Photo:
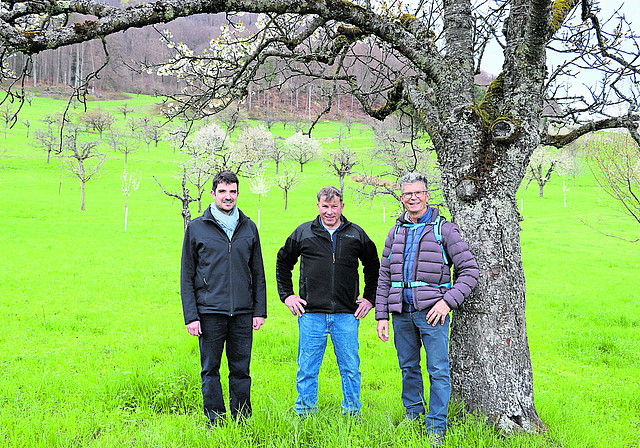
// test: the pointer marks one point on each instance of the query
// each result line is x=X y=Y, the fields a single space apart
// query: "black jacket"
x=329 y=282
x=222 y=276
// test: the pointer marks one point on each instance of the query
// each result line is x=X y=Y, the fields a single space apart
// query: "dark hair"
x=329 y=193
x=226 y=177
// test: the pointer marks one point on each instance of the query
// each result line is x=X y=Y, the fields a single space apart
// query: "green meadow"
x=94 y=353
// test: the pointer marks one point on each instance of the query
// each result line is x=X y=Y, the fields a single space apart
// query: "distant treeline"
x=268 y=99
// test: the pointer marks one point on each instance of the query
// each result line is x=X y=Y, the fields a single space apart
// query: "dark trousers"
x=237 y=333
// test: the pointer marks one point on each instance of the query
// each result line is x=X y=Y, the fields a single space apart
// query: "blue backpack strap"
x=437 y=231
x=408 y=226
x=395 y=232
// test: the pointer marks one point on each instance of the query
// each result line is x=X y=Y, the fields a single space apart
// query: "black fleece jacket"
x=329 y=279
x=219 y=275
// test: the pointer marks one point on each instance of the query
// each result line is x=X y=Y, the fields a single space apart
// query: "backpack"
x=437 y=232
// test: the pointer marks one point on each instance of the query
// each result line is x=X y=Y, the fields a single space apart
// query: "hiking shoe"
x=213 y=424
x=436 y=440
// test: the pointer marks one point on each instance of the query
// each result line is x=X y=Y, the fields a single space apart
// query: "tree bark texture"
x=490 y=360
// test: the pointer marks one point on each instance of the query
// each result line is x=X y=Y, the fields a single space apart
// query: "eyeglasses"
x=418 y=194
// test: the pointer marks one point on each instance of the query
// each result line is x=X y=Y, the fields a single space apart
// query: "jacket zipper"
x=232 y=308
x=333 y=272
x=414 y=296
x=415 y=267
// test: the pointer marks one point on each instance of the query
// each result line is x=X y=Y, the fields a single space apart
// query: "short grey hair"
x=412 y=178
x=329 y=193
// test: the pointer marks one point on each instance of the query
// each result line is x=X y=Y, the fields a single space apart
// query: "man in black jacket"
x=328 y=304
x=224 y=296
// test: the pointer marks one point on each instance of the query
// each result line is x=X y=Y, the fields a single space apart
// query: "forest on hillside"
x=272 y=96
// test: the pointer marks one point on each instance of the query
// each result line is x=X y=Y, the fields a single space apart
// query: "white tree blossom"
x=129 y=182
x=302 y=149
x=213 y=142
x=544 y=162
x=255 y=144
x=260 y=185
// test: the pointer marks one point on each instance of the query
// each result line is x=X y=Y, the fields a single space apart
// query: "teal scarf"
x=227 y=222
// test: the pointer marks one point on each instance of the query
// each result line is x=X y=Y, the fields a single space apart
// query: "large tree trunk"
x=484 y=150
x=489 y=346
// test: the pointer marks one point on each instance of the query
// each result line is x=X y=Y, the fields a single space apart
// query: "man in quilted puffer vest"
x=416 y=287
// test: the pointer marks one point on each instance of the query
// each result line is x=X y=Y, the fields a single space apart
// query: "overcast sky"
x=492 y=61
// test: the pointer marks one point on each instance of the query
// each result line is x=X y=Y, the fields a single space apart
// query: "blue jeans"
x=313 y=329
x=410 y=331
x=236 y=333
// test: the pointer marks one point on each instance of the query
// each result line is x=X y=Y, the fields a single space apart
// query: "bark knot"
x=466 y=190
x=86 y=28
x=503 y=130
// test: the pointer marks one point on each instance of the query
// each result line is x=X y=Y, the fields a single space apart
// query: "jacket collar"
x=316 y=224
x=206 y=215
x=404 y=217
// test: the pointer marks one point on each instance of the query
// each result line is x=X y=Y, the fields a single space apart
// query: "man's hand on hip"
x=364 y=306
x=438 y=312
x=295 y=304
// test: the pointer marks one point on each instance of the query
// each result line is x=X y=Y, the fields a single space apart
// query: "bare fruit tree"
x=82 y=159
x=124 y=142
x=576 y=154
x=198 y=168
x=394 y=154
x=184 y=197
x=614 y=160
x=124 y=110
x=49 y=141
x=129 y=182
x=279 y=153
x=286 y=181
x=8 y=116
x=341 y=162
x=152 y=133
x=98 y=120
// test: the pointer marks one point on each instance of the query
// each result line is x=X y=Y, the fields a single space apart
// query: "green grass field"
x=94 y=352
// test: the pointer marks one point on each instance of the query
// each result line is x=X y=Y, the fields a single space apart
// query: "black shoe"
x=213 y=424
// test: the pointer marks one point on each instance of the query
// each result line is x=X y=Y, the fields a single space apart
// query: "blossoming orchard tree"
x=419 y=57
